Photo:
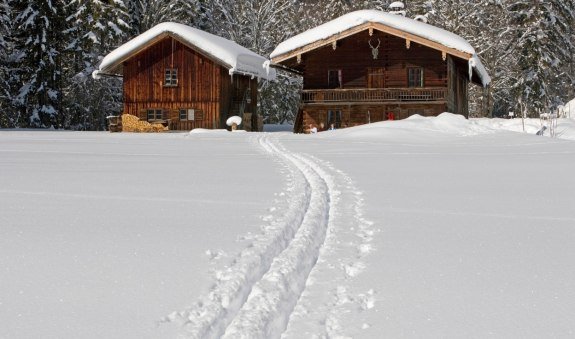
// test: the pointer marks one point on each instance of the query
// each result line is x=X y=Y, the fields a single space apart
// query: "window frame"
x=185 y=112
x=171 y=77
x=334 y=116
x=420 y=82
x=339 y=78
x=153 y=112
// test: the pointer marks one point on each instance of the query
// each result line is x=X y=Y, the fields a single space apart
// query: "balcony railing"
x=374 y=95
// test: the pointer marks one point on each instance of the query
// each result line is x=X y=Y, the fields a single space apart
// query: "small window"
x=334 y=117
x=155 y=114
x=334 y=78
x=171 y=77
x=415 y=77
x=188 y=114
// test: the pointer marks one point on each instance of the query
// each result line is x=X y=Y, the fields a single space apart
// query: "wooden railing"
x=374 y=95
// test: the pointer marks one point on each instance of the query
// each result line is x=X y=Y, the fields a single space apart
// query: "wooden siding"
x=458 y=96
x=353 y=56
x=354 y=115
x=233 y=92
x=203 y=85
x=372 y=88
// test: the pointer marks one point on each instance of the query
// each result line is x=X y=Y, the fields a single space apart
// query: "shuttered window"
x=188 y=114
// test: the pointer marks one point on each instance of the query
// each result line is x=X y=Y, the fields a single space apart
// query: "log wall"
x=355 y=115
x=203 y=85
x=353 y=56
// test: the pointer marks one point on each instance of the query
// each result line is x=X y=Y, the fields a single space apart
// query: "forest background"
x=49 y=49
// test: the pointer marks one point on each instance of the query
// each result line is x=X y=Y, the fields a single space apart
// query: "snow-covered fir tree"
x=145 y=14
x=39 y=43
x=6 y=118
x=97 y=27
x=541 y=46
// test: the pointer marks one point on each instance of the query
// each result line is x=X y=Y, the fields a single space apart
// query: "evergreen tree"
x=39 y=43
x=541 y=45
x=97 y=27
x=145 y=14
x=6 y=118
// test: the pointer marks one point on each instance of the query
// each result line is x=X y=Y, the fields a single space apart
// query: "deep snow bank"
x=446 y=126
x=416 y=127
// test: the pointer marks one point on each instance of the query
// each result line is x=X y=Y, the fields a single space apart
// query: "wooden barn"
x=369 y=66
x=186 y=78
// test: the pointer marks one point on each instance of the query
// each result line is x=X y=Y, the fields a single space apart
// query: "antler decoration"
x=374 y=50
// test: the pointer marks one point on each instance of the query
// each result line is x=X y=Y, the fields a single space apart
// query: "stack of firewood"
x=131 y=123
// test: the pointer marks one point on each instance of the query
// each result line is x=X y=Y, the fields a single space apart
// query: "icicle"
x=471 y=64
x=267 y=67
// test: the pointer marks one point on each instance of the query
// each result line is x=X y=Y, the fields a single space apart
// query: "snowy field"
x=427 y=227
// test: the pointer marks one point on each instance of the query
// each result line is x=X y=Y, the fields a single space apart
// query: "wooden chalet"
x=186 y=78
x=370 y=66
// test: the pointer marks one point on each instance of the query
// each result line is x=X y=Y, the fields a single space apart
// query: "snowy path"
x=257 y=295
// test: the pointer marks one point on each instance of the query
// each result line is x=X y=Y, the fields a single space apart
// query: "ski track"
x=259 y=293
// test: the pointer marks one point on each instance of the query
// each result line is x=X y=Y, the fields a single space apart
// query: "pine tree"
x=6 y=118
x=541 y=37
x=97 y=27
x=145 y=14
x=39 y=43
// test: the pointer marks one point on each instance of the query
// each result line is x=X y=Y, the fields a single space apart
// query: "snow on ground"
x=102 y=235
x=568 y=110
x=426 y=227
x=565 y=127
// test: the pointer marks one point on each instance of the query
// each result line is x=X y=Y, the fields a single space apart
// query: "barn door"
x=376 y=77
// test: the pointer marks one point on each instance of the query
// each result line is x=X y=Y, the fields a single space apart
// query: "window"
x=171 y=77
x=415 y=77
x=376 y=77
x=155 y=114
x=334 y=117
x=188 y=114
x=334 y=78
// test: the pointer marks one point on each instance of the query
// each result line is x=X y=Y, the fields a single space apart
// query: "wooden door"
x=376 y=77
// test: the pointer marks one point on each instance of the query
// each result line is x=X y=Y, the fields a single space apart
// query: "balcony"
x=374 y=95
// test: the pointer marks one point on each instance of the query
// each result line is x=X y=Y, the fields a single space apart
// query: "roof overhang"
x=367 y=26
x=116 y=68
x=226 y=53
x=478 y=69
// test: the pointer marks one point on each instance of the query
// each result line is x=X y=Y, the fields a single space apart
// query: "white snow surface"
x=424 y=227
x=234 y=120
x=407 y=25
x=568 y=110
x=565 y=127
x=236 y=58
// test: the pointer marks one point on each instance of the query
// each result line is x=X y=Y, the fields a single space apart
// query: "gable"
x=237 y=59
x=370 y=20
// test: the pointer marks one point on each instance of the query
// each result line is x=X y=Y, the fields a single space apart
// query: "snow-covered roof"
x=407 y=25
x=238 y=59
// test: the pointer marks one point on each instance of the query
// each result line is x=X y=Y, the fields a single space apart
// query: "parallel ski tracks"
x=255 y=297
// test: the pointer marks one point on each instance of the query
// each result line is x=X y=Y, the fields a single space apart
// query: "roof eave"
x=116 y=69
x=366 y=26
